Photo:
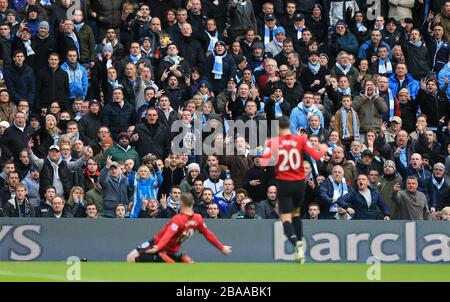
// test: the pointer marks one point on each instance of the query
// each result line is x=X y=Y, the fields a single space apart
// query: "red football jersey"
x=180 y=228
x=288 y=152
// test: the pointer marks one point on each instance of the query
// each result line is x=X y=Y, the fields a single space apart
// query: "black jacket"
x=434 y=106
x=43 y=47
x=89 y=126
x=50 y=86
x=42 y=142
x=12 y=209
x=293 y=95
x=14 y=140
x=307 y=78
x=46 y=177
x=170 y=178
x=152 y=140
x=118 y=119
x=21 y=83
x=192 y=51
x=265 y=175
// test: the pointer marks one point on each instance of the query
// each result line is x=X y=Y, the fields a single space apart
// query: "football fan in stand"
x=286 y=153
x=165 y=245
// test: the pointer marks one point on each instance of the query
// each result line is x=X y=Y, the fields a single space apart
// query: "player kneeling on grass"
x=165 y=245
x=287 y=152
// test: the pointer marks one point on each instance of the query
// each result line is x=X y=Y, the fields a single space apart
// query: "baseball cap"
x=396 y=119
x=220 y=43
x=115 y=164
x=27 y=29
x=258 y=45
x=33 y=168
x=341 y=22
x=203 y=83
x=269 y=17
x=299 y=16
x=54 y=147
x=367 y=152
x=94 y=101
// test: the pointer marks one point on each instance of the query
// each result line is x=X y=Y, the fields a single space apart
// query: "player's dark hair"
x=284 y=122
x=187 y=199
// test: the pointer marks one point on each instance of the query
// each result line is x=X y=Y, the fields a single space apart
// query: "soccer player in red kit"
x=165 y=245
x=286 y=152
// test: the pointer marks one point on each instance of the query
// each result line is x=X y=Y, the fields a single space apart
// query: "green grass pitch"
x=219 y=272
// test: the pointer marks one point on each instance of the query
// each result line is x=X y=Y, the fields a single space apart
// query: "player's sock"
x=297 y=223
x=145 y=258
x=289 y=231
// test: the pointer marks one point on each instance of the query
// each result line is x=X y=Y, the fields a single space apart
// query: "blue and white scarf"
x=28 y=48
x=391 y=102
x=308 y=111
x=267 y=34
x=173 y=204
x=114 y=84
x=384 y=66
x=360 y=27
x=278 y=111
x=212 y=40
x=403 y=157
x=75 y=41
x=78 y=26
x=338 y=191
x=314 y=67
x=416 y=44
x=347 y=91
x=134 y=58
x=315 y=131
x=436 y=183
x=346 y=131
x=299 y=32
x=218 y=65
x=342 y=69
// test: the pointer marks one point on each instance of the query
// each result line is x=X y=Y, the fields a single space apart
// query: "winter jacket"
x=87 y=44
x=241 y=18
x=325 y=199
x=119 y=154
x=266 y=210
x=12 y=209
x=357 y=202
x=43 y=47
x=401 y=9
x=409 y=83
x=270 y=109
x=223 y=203
x=299 y=118
x=387 y=183
x=352 y=75
x=95 y=196
x=109 y=12
x=367 y=50
x=264 y=175
x=78 y=81
x=444 y=73
x=229 y=71
x=434 y=106
x=14 y=140
x=113 y=191
x=307 y=78
x=21 y=83
x=347 y=42
x=89 y=126
x=438 y=55
x=52 y=85
x=416 y=59
x=32 y=190
x=117 y=118
x=152 y=140
x=192 y=52
x=370 y=112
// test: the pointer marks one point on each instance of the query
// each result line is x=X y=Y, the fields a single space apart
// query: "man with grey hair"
x=441 y=187
x=411 y=203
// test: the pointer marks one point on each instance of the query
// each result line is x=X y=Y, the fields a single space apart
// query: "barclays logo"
x=19 y=238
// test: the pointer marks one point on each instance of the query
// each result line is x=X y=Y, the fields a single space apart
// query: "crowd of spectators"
x=95 y=94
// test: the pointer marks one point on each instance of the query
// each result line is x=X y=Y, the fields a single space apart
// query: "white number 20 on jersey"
x=290 y=160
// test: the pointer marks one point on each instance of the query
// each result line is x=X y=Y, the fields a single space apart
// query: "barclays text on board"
x=393 y=242
x=326 y=241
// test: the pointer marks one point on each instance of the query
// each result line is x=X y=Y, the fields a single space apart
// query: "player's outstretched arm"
x=226 y=250
x=315 y=154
